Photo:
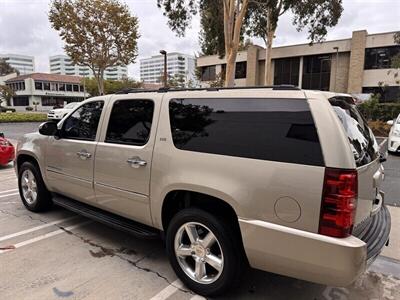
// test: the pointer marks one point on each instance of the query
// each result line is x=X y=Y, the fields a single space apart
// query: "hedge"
x=22 y=117
x=372 y=110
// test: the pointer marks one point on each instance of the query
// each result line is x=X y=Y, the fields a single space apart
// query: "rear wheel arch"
x=178 y=200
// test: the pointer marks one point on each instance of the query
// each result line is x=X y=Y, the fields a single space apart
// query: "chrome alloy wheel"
x=29 y=186
x=198 y=252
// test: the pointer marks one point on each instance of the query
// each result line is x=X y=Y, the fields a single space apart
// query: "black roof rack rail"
x=283 y=87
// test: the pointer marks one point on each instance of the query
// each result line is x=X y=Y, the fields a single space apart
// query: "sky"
x=25 y=29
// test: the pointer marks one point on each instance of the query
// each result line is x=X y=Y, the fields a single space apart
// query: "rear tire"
x=33 y=192
x=207 y=264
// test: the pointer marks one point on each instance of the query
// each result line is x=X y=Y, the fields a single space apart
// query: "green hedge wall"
x=379 y=111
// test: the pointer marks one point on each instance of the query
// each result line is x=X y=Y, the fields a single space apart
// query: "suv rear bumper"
x=374 y=231
x=311 y=256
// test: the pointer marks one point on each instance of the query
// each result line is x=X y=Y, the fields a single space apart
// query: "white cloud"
x=25 y=29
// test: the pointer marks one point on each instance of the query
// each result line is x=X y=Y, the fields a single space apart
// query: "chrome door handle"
x=83 y=154
x=136 y=162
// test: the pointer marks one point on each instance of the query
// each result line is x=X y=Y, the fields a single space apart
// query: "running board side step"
x=107 y=218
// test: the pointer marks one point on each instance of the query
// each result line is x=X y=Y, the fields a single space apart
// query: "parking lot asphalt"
x=60 y=255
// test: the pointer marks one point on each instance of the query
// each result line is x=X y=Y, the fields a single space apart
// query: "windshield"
x=71 y=105
x=362 y=140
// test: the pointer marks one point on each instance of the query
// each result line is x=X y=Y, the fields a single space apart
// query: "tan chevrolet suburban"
x=281 y=179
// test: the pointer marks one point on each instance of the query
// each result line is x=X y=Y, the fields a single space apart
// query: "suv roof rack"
x=283 y=87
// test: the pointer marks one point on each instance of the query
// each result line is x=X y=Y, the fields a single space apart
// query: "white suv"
x=59 y=113
x=281 y=179
x=394 y=135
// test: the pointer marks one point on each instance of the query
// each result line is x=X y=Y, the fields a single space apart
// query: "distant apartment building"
x=360 y=64
x=178 y=64
x=24 y=64
x=47 y=90
x=62 y=65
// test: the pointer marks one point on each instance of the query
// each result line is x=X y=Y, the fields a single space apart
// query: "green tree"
x=211 y=36
x=315 y=15
x=97 y=33
x=6 y=94
x=180 y=12
x=110 y=86
x=6 y=69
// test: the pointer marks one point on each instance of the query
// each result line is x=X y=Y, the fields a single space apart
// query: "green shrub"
x=22 y=117
x=373 y=110
x=29 y=108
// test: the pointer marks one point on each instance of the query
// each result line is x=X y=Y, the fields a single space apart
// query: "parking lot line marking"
x=382 y=143
x=7 y=191
x=168 y=291
x=12 y=235
x=45 y=236
x=197 y=297
x=7 y=195
x=10 y=202
x=7 y=174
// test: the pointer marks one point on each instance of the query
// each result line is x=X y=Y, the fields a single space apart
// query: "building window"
x=76 y=88
x=286 y=71
x=69 y=87
x=380 y=58
x=21 y=101
x=53 y=86
x=387 y=93
x=46 y=86
x=240 y=70
x=61 y=87
x=38 y=85
x=316 y=72
x=208 y=73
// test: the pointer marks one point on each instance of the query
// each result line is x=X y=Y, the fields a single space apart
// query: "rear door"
x=366 y=155
x=123 y=157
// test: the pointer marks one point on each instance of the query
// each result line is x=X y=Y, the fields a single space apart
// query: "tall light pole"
x=163 y=52
x=337 y=64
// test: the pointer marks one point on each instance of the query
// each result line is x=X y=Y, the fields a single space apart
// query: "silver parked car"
x=394 y=135
x=281 y=179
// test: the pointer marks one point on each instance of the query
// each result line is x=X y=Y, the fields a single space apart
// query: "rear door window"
x=267 y=129
x=361 y=138
x=130 y=122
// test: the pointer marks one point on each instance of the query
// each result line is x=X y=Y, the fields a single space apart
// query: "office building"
x=360 y=64
x=62 y=65
x=178 y=64
x=47 y=90
x=24 y=64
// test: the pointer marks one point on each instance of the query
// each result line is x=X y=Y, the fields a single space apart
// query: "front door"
x=70 y=157
x=123 y=159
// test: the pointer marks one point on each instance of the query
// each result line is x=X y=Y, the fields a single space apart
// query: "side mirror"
x=390 y=122
x=48 y=128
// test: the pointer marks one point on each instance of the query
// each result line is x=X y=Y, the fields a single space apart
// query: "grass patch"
x=22 y=117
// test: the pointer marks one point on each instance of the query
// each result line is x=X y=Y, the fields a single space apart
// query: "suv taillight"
x=339 y=202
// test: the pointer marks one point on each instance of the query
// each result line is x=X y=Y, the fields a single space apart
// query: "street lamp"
x=337 y=64
x=163 y=52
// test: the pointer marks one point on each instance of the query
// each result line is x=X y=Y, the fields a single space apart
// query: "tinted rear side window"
x=130 y=122
x=362 y=140
x=268 y=129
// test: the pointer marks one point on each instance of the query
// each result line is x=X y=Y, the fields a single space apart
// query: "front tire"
x=33 y=192
x=204 y=252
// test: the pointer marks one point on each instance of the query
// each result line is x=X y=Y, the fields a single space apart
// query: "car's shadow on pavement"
x=150 y=256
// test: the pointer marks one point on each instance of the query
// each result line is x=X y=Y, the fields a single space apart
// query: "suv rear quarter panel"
x=281 y=193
